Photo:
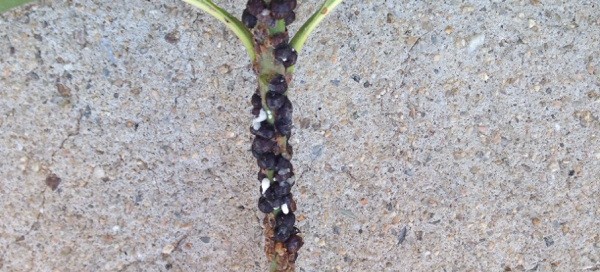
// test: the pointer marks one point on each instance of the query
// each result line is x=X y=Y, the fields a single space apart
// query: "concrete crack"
x=70 y=134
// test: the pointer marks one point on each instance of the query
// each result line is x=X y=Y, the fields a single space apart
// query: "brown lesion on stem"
x=279 y=258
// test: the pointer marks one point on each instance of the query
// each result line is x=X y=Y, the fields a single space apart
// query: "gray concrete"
x=469 y=126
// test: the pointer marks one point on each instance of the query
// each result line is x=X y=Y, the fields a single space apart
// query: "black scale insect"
x=278 y=84
x=283 y=120
x=286 y=54
x=275 y=193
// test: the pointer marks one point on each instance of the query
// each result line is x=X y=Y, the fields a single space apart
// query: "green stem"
x=310 y=25
x=8 y=4
x=273 y=266
x=231 y=22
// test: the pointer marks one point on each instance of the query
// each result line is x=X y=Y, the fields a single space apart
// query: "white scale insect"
x=262 y=115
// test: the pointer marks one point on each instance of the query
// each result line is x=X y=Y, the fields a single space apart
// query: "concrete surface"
x=470 y=128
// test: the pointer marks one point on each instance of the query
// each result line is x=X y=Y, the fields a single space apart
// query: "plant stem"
x=310 y=25
x=8 y=4
x=231 y=22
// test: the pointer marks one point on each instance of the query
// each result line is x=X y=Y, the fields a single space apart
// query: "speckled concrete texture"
x=429 y=136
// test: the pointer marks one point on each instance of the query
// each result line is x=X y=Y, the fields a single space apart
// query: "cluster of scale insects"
x=275 y=187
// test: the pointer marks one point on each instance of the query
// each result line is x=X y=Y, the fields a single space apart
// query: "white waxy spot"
x=265 y=12
x=265 y=185
x=262 y=115
x=284 y=209
x=283 y=59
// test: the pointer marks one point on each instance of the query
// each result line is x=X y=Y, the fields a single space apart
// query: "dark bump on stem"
x=248 y=19
x=278 y=84
x=282 y=233
x=280 y=38
x=280 y=8
x=290 y=18
x=255 y=7
x=261 y=175
x=262 y=145
x=275 y=100
x=289 y=200
x=264 y=206
x=256 y=101
x=266 y=161
x=285 y=54
x=286 y=220
x=256 y=104
x=266 y=131
x=294 y=243
x=283 y=122
x=281 y=189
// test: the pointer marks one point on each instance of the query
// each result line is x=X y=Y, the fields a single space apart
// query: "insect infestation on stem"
x=263 y=31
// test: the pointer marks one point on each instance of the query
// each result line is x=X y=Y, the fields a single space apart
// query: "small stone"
x=412 y=40
x=172 y=37
x=449 y=30
x=205 y=239
x=53 y=181
x=475 y=42
x=224 y=69
x=63 y=90
x=230 y=135
x=459 y=154
x=484 y=76
x=316 y=151
x=553 y=166
x=402 y=235
x=168 y=249
x=99 y=172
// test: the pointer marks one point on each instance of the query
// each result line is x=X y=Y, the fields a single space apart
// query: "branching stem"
x=231 y=22
x=310 y=25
